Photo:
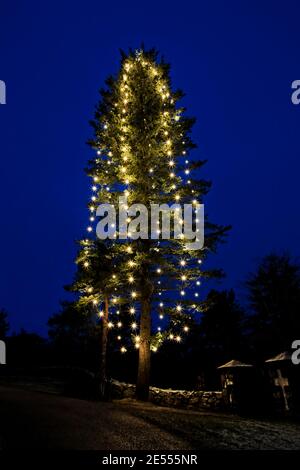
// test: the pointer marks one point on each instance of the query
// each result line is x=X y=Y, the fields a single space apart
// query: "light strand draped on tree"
x=142 y=141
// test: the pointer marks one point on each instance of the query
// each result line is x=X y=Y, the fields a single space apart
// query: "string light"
x=119 y=324
x=132 y=310
x=198 y=283
x=101 y=314
x=178 y=308
x=154 y=348
x=182 y=262
x=171 y=336
x=178 y=339
x=110 y=324
x=134 y=326
x=183 y=278
x=161 y=304
x=123 y=350
x=182 y=292
x=185 y=328
x=131 y=279
x=133 y=295
x=161 y=317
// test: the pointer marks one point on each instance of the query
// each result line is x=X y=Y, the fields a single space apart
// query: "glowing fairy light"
x=133 y=294
x=161 y=317
x=158 y=270
x=186 y=328
x=182 y=292
x=171 y=336
x=182 y=262
x=178 y=308
x=110 y=325
x=119 y=337
x=131 y=279
x=158 y=328
x=92 y=208
x=101 y=314
x=199 y=261
x=119 y=324
x=123 y=350
x=132 y=310
x=196 y=294
x=133 y=326
x=154 y=349
x=171 y=163
x=178 y=339
x=86 y=264
x=183 y=278
x=198 y=283
x=129 y=249
x=161 y=304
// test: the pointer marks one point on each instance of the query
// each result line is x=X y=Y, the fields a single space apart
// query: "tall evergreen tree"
x=142 y=139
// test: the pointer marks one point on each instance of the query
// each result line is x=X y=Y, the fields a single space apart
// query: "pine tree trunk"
x=102 y=375
x=143 y=379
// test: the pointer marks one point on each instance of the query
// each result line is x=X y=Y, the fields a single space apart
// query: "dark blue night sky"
x=234 y=60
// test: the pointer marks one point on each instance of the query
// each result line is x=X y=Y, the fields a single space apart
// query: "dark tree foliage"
x=274 y=300
x=4 y=324
x=74 y=334
x=221 y=326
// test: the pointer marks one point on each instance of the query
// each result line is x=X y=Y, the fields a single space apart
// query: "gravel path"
x=33 y=420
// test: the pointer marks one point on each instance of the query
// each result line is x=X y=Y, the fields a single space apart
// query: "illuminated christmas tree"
x=142 y=141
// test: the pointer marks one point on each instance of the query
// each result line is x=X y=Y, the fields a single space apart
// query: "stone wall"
x=198 y=400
